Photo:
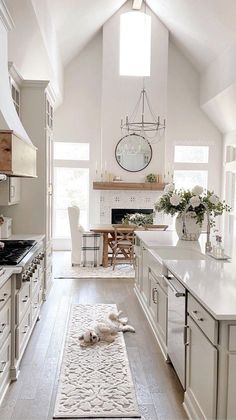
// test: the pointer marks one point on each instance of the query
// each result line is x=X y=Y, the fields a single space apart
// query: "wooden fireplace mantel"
x=145 y=186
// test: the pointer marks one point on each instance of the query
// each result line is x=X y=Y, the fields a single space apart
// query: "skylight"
x=135 y=44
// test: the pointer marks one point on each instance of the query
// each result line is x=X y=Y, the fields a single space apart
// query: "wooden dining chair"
x=123 y=244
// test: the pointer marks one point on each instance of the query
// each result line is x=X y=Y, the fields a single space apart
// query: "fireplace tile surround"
x=125 y=199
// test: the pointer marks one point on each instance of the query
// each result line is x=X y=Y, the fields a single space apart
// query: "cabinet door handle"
x=194 y=316
x=25 y=299
x=176 y=292
x=13 y=191
x=154 y=295
x=3 y=328
x=185 y=335
x=2 y=368
x=25 y=330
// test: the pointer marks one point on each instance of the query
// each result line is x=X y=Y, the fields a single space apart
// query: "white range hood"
x=17 y=153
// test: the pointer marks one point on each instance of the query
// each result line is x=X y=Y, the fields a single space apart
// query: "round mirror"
x=133 y=152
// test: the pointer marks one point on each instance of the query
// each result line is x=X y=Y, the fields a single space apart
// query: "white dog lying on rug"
x=105 y=330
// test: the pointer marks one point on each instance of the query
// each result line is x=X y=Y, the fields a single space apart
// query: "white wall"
x=96 y=98
x=27 y=47
x=186 y=122
x=120 y=93
x=78 y=119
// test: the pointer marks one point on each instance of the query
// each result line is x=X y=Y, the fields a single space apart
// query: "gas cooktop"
x=14 y=251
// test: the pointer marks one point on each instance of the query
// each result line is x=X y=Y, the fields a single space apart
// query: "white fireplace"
x=113 y=199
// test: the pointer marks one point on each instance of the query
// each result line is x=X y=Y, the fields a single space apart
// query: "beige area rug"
x=120 y=271
x=94 y=382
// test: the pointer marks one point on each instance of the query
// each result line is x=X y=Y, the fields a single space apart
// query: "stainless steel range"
x=27 y=254
x=13 y=251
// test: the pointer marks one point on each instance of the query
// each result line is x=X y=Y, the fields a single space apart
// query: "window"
x=135 y=44
x=191 y=166
x=71 y=186
x=188 y=179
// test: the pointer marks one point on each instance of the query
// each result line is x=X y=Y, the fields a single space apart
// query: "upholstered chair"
x=86 y=246
x=76 y=231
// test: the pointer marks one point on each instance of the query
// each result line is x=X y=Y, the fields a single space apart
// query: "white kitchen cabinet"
x=201 y=374
x=34 y=212
x=5 y=336
x=151 y=290
x=144 y=276
x=10 y=191
x=153 y=294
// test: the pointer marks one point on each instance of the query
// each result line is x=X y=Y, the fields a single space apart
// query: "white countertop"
x=158 y=238
x=34 y=237
x=212 y=282
x=6 y=275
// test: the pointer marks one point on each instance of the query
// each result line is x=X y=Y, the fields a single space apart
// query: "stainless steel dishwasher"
x=176 y=326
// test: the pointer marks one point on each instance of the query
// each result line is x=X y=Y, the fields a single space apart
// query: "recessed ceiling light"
x=137 y=4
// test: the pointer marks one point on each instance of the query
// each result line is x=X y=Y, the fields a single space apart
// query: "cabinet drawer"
x=23 y=301
x=203 y=319
x=5 y=362
x=23 y=332
x=155 y=266
x=160 y=280
x=35 y=280
x=5 y=322
x=35 y=304
x=5 y=292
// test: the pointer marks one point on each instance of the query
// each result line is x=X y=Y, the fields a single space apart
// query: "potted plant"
x=190 y=207
x=138 y=219
x=151 y=178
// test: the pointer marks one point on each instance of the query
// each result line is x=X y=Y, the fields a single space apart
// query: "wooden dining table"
x=108 y=233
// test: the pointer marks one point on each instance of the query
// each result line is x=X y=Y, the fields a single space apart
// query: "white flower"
x=194 y=201
x=175 y=200
x=214 y=199
x=197 y=190
x=169 y=188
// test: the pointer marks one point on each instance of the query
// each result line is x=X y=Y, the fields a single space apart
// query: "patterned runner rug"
x=95 y=381
x=121 y=271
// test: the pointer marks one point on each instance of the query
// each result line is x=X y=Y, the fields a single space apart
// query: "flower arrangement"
x=197 y=201
x=138 y=219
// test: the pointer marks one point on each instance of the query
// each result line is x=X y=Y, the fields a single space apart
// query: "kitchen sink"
x=175 y=253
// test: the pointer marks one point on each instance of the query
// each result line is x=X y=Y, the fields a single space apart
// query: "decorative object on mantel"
x=151 y=178
x=94 y=382
x=138 y=219
x=117 y=178
x=122 y=185
x=191 y=207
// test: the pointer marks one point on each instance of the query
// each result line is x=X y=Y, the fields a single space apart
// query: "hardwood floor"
x=32 y=397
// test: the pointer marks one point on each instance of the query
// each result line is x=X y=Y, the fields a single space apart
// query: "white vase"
x=187 y=227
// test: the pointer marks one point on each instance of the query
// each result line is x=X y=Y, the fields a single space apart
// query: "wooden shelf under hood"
x=17 y=157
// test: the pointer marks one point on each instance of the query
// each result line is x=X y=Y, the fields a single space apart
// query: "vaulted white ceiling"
x=77 y=21
x=202 y=28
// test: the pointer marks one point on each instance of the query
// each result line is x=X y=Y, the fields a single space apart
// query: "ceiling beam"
x=137 y=4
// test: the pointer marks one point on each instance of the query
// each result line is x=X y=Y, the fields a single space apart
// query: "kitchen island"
x=190 y=302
